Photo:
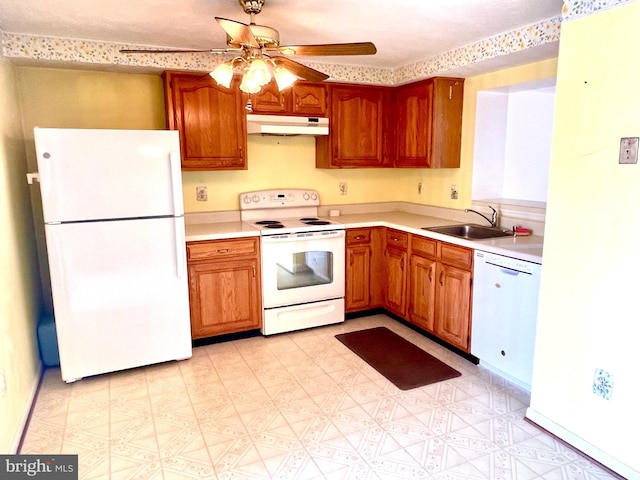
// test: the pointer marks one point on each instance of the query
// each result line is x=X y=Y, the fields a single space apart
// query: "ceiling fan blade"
x=210 y=50
x=239 y=33
x=300 y=70
x=328 y=49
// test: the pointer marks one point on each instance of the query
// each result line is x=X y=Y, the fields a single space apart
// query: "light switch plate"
x=628 y=150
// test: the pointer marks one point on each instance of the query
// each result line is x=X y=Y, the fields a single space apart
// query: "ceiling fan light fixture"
x=223 y=74
x=258 y=72
x=284 y=78
x=248 y=85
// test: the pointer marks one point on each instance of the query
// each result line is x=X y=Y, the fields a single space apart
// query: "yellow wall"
x=588 y=314
x=19 y=294
x=86 y=99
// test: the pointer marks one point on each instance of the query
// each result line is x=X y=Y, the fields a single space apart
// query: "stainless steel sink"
x=470 y=231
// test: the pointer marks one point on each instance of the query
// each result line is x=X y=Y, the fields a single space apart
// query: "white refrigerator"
x=114 y=227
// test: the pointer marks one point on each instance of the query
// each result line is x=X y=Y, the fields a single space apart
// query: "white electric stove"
x=302 y=259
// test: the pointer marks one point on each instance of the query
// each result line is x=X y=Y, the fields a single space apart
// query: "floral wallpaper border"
x=103 y=54
x=580 y=8
x=97 y=54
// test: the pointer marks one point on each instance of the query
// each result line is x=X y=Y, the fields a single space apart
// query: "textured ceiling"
x=404 y=31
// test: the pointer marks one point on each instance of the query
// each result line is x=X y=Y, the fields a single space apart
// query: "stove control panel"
x=279 y=198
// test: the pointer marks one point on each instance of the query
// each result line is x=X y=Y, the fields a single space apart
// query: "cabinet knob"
x=223 y=250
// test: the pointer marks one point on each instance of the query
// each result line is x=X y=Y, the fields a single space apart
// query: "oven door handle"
x=294 y=237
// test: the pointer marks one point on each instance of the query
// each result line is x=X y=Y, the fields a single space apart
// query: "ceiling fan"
x=261 y=56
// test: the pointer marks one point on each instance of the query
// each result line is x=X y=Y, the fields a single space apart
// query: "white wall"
x=589 y=295
x=513 y=142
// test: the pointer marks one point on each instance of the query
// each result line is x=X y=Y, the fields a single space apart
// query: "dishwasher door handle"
x=508 y=271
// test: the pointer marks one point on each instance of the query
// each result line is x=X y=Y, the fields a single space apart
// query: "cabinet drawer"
x=455 y=255
x=397 y=239
x=358 y=236
x=423 y=246
x=222 y=248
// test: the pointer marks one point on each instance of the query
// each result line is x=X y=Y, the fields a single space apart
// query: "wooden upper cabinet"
x=302 y=98
x=429 y=123
x=210 y=119
x=356 y=134
x=269 y=100
x=309 y=99
x=413 y=125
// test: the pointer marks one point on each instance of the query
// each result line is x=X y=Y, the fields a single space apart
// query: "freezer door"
x=120 y=294
x=90 y=174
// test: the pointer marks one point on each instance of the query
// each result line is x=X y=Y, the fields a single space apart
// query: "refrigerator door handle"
x=176 y=183
x=181 y=254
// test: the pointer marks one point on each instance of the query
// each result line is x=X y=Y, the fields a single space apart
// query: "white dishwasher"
x=505 y=308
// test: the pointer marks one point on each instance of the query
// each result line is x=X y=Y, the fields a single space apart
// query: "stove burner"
x=267 y=222
x=274 y=225
x=318 y=222
x=308 y=219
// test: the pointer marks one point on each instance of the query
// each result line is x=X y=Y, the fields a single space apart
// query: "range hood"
x=287 y=125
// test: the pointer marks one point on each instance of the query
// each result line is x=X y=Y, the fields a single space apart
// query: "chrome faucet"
x=494 y=216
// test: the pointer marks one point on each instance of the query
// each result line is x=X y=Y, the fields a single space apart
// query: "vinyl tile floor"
x=297 y=406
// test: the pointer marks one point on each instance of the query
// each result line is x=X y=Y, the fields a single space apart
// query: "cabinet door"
x=224 y=297
x=270 y=100
x=447 y=122
x=358 y=271
x=395 y=298
x=309 y=99
x=414 y=125
x=211 y=122
x=422 y=292
x=356 y=135
x=453 y=307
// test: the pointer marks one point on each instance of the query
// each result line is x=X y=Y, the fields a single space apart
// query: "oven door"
x=302 y=267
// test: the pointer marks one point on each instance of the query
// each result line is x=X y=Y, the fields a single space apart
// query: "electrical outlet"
x=602 y=384
x=628 y=150
x=201 y=193
x=454 y=192
x=344 y=186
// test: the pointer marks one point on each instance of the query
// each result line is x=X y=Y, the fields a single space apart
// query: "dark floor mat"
x=400 y=361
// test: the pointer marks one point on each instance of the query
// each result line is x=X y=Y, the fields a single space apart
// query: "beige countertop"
x=219 y=230
x=523 y=248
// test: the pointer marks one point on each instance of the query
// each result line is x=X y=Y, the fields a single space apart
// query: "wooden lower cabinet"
x=422 y=292
x=397 y=263
x=363 y=269
x=224 y=286
x=453 y=306
x=440 y=290
x=426 y=282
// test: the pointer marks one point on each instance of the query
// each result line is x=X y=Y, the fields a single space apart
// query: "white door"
x=98 y=174
x=120 y=294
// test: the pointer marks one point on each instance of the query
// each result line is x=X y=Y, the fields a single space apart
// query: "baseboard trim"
x=616 y=467
x=26 y=415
